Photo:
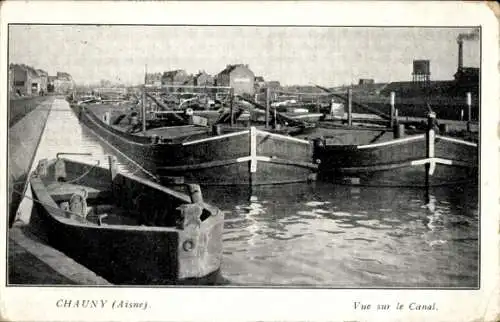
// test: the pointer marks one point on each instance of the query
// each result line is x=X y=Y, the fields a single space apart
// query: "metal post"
x=144 y=110
x=349 y=107
x=393 y=107
x=144 y=99
x=112 y=167
x=231 y=95
x=469 y=110
x=275 y=121
x=430 y=146
x=268 y=105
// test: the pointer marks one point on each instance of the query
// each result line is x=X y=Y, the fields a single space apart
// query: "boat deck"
x=173 y=131
x=61 y=191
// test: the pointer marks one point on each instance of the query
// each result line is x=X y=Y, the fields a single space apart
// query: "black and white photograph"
x=244 y=156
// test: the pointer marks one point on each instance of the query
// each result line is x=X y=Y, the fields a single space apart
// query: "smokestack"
x=471 y=36
x=460 y=53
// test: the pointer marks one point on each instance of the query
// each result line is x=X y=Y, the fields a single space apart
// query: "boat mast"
x=144 y=101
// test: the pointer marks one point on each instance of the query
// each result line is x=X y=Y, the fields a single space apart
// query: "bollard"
x=106 y=117
x=112 y=167
x=399 y=131
x=469 y=111
x=217 y=129
x=443 y=128
x=195 y=193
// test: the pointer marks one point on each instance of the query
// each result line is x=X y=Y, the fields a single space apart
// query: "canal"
x=321 y=234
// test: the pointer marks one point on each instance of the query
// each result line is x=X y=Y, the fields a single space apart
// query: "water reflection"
x=340 y=236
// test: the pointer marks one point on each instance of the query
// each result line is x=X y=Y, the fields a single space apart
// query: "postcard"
x=318 y=161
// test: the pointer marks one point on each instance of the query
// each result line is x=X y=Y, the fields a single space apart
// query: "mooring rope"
x=85 y=174
x=139 y=166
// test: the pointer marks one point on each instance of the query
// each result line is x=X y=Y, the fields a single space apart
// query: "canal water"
x=322 y=234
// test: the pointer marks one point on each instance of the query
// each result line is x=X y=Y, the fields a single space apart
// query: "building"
x=366 y=81
x=62 y=83
x=44 y=80
x=467 y=75
x=259 y=83
x=467 y=80
x=203 y=79
x=273 y=85
x=25 y=79
x=239 y=77
x=174 y=77
x=189 y=81
x=50 y=83
x=153 y=79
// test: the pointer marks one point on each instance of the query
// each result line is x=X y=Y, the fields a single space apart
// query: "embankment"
x=21 y=106
x=23 y=139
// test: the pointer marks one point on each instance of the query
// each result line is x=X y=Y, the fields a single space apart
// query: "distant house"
x=25 y=79
x=189 y=81
x=366 y=81
x=44 y=80
x=62 y=83
x=259 y=83
x=239 y=77
x=174 y=77
x=50 y=83
x=153 y=79
x=203 y=79
x=273 y=84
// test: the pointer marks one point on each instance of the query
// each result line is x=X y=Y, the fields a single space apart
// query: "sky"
x=330 y=56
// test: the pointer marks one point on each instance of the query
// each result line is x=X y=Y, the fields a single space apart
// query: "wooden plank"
x=63 y=191
x=392 y=142
x=445 y=138
x=218 y=137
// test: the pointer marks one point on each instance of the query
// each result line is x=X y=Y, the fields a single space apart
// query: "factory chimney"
x=474 y=35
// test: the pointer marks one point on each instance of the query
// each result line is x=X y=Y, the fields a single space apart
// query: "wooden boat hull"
x=409 y=161
x=246 y=157
x=157 y=252
x=349 y=135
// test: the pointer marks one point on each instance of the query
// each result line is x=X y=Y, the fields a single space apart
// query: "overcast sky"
x=329 y=56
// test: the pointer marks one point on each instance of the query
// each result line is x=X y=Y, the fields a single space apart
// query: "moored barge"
x=424 y=160
x=195 y=153
x=124 y=228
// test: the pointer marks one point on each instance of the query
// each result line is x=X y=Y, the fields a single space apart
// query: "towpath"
x=21 y=106
x=35 y=136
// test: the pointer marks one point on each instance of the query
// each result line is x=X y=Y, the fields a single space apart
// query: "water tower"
x=421 y=71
